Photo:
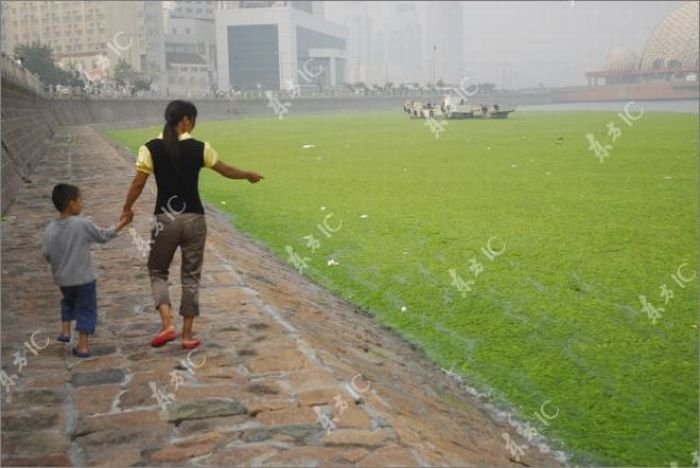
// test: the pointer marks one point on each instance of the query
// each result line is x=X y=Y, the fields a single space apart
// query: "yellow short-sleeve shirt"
x=144 y=160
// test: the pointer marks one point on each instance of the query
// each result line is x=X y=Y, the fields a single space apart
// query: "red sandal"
x=163 y=337
x=190 y=344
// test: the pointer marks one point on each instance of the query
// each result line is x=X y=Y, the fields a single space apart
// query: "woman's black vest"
x=178 y=187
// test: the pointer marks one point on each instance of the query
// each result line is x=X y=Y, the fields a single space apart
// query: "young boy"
x=66 y=245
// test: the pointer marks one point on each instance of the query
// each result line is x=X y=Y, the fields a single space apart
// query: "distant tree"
x=74 y=76
x=143 y=82
x=123 y=72
x=38 y=59
x=125 y=75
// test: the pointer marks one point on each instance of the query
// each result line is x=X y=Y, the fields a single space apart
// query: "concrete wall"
x=27 y=126
x=114 y=111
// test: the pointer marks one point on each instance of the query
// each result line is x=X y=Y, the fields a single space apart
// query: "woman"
x=176 y=159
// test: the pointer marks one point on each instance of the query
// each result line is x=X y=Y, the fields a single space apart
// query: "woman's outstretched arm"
x=231 y=172
x=133 y=194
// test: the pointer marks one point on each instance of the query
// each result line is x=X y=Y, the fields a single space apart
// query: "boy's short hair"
x=63 y=194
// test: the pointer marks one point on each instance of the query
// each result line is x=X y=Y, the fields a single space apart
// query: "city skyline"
x=506 y=43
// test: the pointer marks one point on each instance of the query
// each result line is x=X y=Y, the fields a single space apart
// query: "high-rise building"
x=89 y=36
x=76 y=31
x=403 y=41
x=278 y=45
x=135 y=34
x=155 y=65
x=442 y=43
x=404 y=53
x=200 y=10
x=359 y=48
x=311 y=7
x=356 y=19
x=190 y=46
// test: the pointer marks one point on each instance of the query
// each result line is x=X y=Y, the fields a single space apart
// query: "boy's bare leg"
x=65 y=328
x=166 y=317
x=83 y=342
x=187 y=328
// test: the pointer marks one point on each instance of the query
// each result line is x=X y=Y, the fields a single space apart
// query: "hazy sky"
x=549 y=42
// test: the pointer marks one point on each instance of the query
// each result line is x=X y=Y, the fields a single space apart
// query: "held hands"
x=254 y=177
x=126 y=218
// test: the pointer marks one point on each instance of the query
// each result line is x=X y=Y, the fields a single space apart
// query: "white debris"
x=364 y=216
x=332 y=262
x=309 y=146
x=403 y=309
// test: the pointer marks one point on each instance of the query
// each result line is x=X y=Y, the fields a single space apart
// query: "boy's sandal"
x=163 y=338
x=80 y=354
x=190 y=344
x=63 y=338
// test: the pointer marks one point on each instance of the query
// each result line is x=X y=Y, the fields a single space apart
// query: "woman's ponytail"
x=174 y=113
x=170 y=140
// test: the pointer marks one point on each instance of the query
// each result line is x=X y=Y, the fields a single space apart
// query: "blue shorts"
x=79 y=303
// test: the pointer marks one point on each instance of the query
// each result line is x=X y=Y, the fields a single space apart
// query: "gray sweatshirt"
x=66 y=245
